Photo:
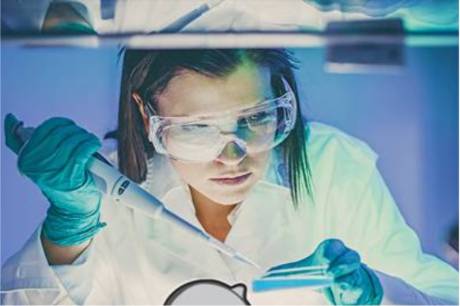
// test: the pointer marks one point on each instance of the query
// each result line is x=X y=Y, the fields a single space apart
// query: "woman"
x=217 y=135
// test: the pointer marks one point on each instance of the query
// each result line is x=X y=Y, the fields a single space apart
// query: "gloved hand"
x=68 y=17
x=55 y=159
x=354 y=282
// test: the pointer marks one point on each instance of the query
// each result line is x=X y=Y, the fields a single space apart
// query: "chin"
x=228 y=197
x=231 y=194
x=228 y=201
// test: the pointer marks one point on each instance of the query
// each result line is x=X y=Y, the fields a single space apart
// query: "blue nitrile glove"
x=55 y=158
x=354 y=282
x=12 y=141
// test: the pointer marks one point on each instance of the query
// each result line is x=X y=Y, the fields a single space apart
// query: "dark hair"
x=147 y=73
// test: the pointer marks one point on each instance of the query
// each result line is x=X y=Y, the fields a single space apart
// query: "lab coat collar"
x=257 y=222
x=176 y=194
x=261 y=221
x=180 y=201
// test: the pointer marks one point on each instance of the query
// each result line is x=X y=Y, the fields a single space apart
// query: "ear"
x=141 y=107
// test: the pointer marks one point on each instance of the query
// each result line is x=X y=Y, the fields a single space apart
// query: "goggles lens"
x=259 y=128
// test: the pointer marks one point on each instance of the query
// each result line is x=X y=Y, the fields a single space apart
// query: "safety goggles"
x=203 y=138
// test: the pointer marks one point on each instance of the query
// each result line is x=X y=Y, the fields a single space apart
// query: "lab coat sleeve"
x=387 y=244
x=74 y=277
x=27 y=278
x=396 y=291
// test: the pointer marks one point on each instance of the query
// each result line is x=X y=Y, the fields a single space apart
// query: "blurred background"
x=405 y=106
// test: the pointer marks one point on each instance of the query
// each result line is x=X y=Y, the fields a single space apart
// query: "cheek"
x=258 y=163
x=191 y=172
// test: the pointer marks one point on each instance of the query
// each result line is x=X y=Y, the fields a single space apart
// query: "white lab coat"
x=139 y=260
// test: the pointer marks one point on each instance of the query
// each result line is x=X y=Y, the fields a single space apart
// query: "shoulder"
x=324 y=141
x=340 y=164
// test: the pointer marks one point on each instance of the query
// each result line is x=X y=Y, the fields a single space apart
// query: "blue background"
x=409 y=118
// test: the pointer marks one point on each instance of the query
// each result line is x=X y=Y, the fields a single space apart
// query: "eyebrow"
x=260 y=101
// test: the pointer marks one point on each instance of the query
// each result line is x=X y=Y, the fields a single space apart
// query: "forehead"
x=191 y=93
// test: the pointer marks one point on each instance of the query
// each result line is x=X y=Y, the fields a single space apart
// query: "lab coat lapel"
x=268 y=228
x=194 y=254
x=261 y=222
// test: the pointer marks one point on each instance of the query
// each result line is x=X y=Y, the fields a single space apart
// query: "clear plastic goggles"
x=203 y=138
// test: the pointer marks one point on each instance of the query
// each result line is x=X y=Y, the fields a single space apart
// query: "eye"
x=193 y=127
x=261 y=117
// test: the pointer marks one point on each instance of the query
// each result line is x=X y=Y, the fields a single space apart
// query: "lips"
x=232 y=180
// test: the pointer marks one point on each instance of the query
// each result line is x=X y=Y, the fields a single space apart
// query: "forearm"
x=73 y=267
x=62 y=255
x=397 y=292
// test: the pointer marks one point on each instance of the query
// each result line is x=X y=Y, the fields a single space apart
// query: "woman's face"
x=227 y=179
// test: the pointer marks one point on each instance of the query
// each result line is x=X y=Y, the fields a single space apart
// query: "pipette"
x=126 y=192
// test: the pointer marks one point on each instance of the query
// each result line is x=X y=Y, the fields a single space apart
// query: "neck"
x=212 y=215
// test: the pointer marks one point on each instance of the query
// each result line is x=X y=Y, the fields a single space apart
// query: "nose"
x=233 y=153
